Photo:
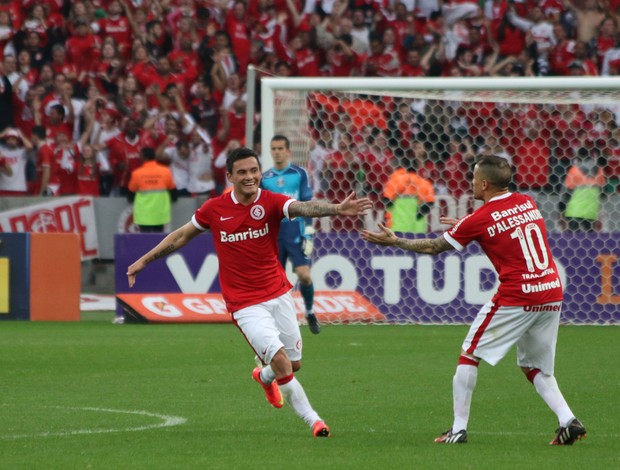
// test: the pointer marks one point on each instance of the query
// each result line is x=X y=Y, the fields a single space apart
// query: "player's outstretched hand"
x=352 y=206
x=134 y=269
x=385 y=237
x=448 y=221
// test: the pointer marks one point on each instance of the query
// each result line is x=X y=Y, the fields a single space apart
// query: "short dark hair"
x=239 y=154
x=148 y=153
x=60 y=109
x=39 y=131
x=287 y=143
x=496 y=170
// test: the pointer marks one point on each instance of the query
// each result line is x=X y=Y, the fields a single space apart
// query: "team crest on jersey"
x=257 y=212
x=280 y=182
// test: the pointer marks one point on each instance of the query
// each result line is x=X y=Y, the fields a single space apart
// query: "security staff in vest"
x=152 y=190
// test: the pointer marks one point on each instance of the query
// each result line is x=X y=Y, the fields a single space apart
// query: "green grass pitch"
x=96 y=395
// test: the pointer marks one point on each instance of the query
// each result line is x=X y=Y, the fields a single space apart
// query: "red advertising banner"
x=61 y=214
x=330 y=307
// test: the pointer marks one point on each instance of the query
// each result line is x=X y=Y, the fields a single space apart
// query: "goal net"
x=561 y=135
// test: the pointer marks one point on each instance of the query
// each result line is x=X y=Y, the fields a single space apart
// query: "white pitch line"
x=167 y=421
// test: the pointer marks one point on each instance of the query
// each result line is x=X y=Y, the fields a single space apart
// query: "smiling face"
x=245 y=177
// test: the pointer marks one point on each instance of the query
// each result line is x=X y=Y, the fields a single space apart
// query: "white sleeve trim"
x=457 y=246
x=285 y=208
x=197 y=225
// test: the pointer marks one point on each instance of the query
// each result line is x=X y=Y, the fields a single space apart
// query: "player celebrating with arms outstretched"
x=245 y=224
x=526 y=308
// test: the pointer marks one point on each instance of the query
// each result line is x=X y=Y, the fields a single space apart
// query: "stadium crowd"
x=85 y=85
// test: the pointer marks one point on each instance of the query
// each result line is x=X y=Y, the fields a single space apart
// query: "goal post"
x=351 y=134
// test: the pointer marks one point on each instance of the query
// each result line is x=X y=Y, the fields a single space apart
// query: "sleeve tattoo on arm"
x=313 y=209
x=426 y=245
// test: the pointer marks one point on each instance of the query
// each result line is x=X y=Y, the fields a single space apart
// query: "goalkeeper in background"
x=294 y=239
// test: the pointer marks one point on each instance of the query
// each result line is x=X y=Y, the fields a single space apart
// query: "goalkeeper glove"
x=308 y=244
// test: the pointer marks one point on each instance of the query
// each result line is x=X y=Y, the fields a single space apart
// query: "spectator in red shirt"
x=129 y=94
x=15 y=11
x=38 y=22
x=606 y=38
x=391 y=43
x=413 y=66
x=156 y=80
x=61 y=65
x=203 y=107
x=66 y=157
x=141 y=64
x=87 y=172
x=39 y=54
x=381 y=63
x=108 y=70
x=124 y=155
x=158 y=40
x=44 y=163
x=341 y=59
x=237 y=27
x=84 y=48
x=24 y=67
x=185 y=32
x=56 y=122
x=303 y=55
x=60 y=95
x=562 y=53
x=116 y=26
x=511 y=39
x=582 y=54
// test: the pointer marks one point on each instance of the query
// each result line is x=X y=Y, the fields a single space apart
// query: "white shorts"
x=534 y=329
x=271 y=326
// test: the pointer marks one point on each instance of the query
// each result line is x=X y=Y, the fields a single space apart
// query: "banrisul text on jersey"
x=245 y=235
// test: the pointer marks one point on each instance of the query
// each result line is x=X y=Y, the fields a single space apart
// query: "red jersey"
x=560 y=57
x=124 y=157
x=306 y=62
x=84 y=51
x=412 y=71
x=341 y=65
x=246 y=242
x=66 y=68
x=45 y=159
x=119 y=29
x=88 y=179
x=511 y=231
x=240 y=36
x=385 y=64
x=66 y=161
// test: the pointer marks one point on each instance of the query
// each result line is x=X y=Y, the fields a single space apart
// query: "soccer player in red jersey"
x=245 y=224
x=526 y=308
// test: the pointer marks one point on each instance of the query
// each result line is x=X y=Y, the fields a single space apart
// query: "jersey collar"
x=500 y=197
x=236 y=201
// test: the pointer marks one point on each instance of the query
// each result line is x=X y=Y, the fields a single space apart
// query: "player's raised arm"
x=349 y=207
x=387 y=237
x=173 y=241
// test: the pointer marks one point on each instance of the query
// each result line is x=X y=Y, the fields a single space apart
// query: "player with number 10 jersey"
x=511 y=231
